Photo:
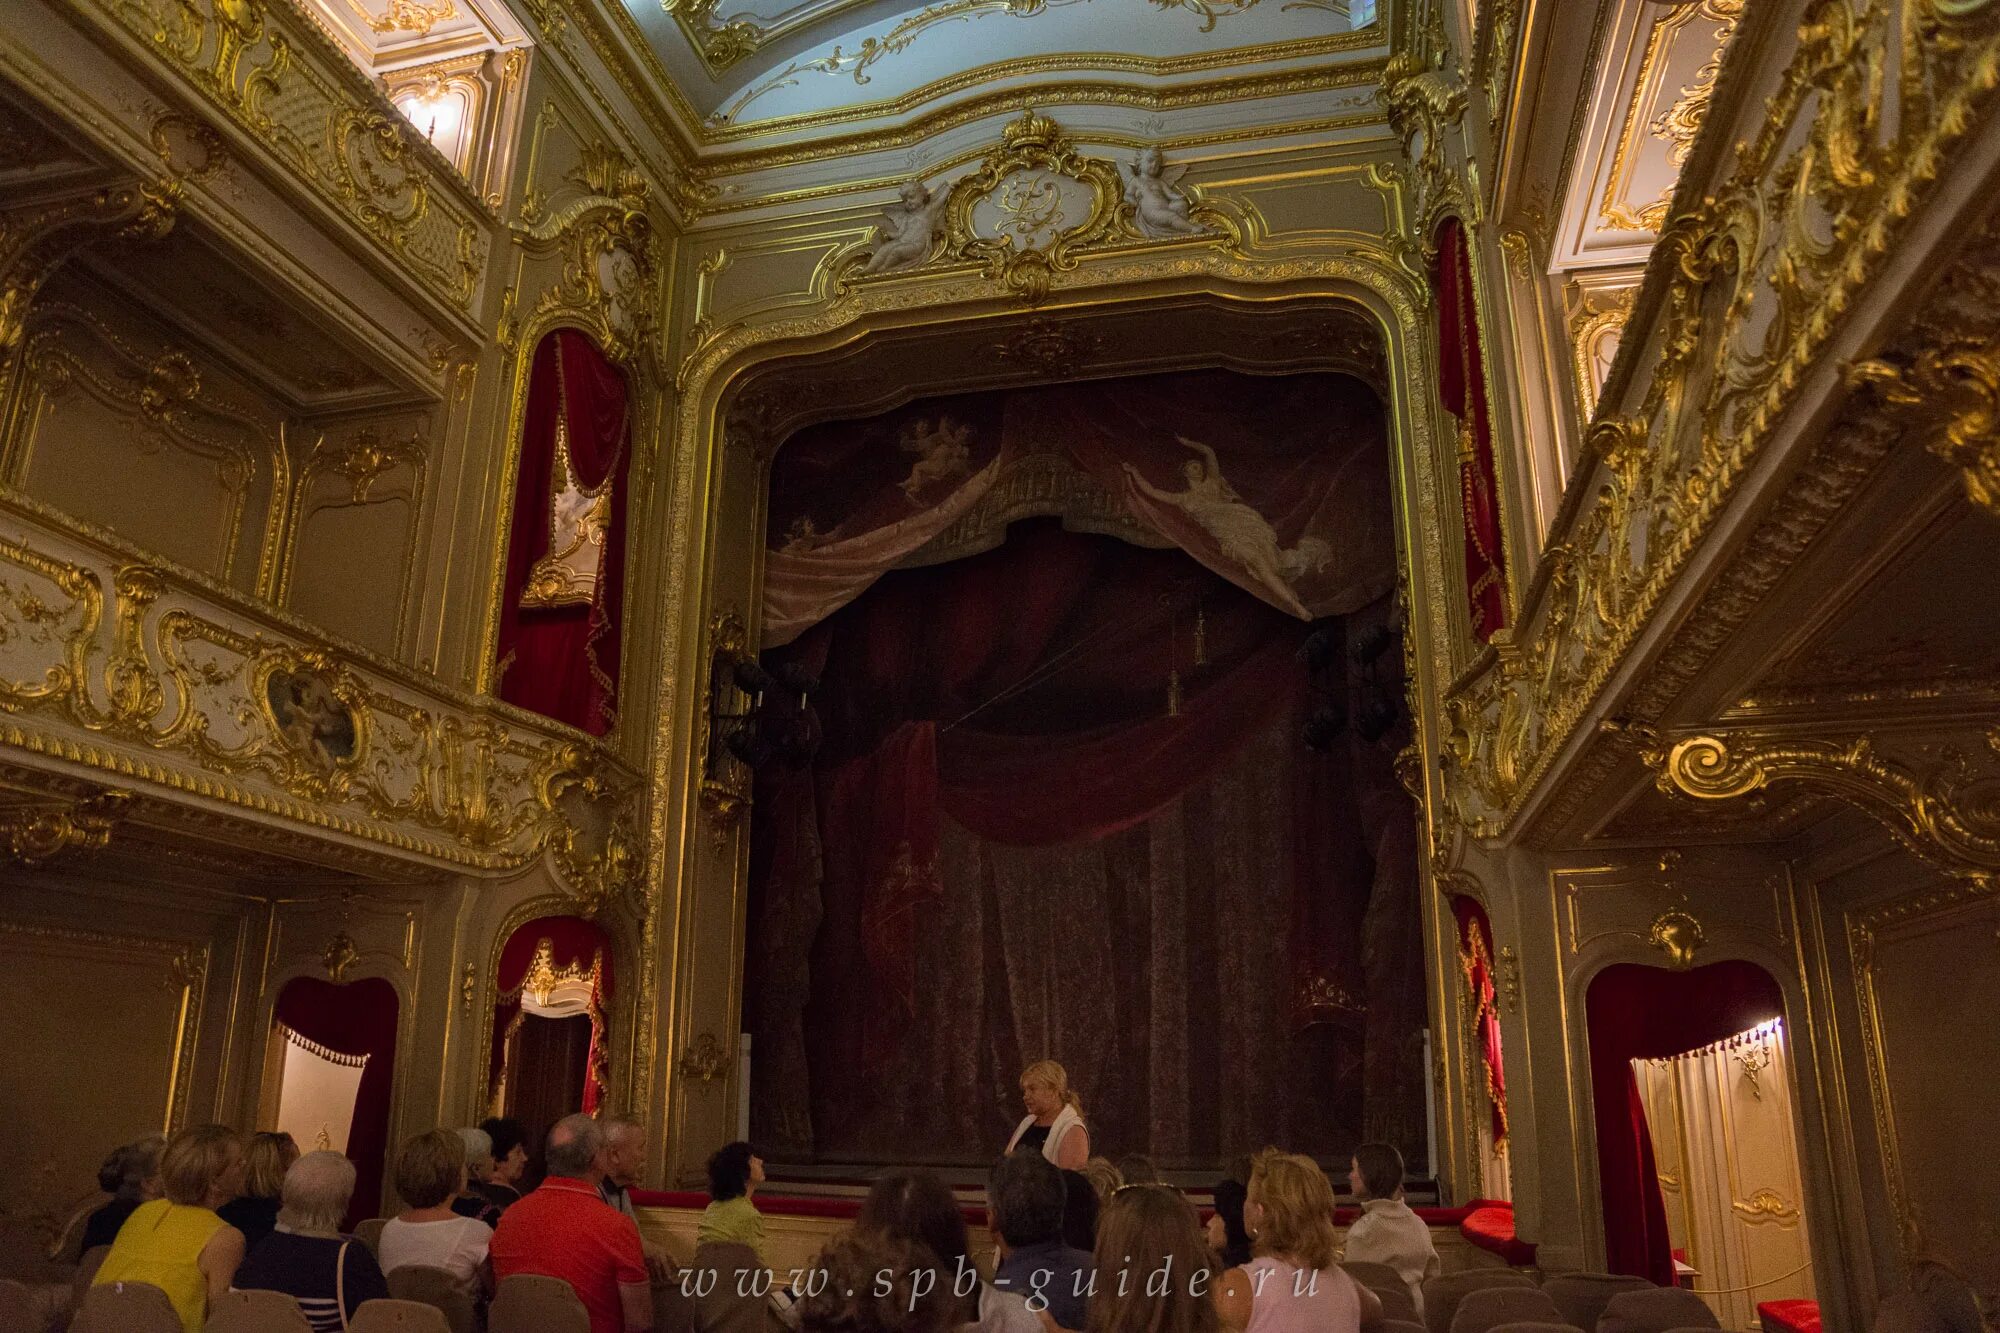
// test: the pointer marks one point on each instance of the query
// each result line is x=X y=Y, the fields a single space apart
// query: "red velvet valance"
x=358 y=1018
x=562 y=661
x=1650 y=1013
x=1475 y=959
x=575 y=943
x=1462 y=388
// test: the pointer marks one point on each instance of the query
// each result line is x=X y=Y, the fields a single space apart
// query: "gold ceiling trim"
x=1108 y=61
x=1681 y=120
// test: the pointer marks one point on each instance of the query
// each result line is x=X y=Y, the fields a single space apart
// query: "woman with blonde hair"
x=1294 y=1283
x=255 y=1211
x=1054 y=1124
x=1152 y=1264
x=177 y=1243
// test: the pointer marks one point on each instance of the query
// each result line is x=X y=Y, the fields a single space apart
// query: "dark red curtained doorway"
x=356 y=1019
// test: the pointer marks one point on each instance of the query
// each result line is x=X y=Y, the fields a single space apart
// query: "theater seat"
x=435 y=1287
x=528 y=1303
x=1485 y=1310
x=1373 y=1275
x=126 y=1307
x=1656 y=1310
x=1581 y=1297
x=1442 y=1294
x=1396 y=1302
x=256 y=1312
x=369 y=1233
x=391 y=1316
x=722 y=1310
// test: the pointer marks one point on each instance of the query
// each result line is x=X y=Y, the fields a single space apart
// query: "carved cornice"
x=1934 y=797
x=35 y=835
x=36 y=237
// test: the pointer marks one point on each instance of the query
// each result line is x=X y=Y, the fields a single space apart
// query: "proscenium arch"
x=696 y=874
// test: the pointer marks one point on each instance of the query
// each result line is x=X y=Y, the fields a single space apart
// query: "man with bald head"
x=620 y=1165
x=565 y=1229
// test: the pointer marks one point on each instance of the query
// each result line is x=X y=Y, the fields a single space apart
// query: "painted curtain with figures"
x=1298 y=516
x=562 y=605
x=1060 y=637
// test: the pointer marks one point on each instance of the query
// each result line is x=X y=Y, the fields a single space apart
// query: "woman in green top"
x=734 y=1173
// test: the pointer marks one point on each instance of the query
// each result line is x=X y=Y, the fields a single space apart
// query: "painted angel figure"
x=1159 y=206
x=908 y=229
x=942 y=449
x=1244 y=535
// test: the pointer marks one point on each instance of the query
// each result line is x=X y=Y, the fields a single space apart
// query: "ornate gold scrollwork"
x=37 y=834
x=341 y=955
x=1952 y=395
x=1677 y=933
x=726 y=780
x=1946 y=811
x=1423 y=101
x=704 y=1059
x=35 y=239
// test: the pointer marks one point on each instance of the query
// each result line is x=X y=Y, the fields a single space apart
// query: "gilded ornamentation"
x=1510 y=978
x=340 y=956
x=1678 y=935
x=1678 y=123
x=605 y=235
x=1942 y=811
x=36 y=238
x=416 y=17
x=365 y=456
x=721 y=41
x=1744 y=294
x=1950 y=393
x=35 y=835
x=1051 y=349
x=1764 y=1206
x=468 y=989
x=726 y=780
x=1209 y=10
x=704 y=1059
x=1423 y=102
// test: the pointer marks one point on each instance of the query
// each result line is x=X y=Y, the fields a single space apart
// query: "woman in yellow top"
x=734 y=1173
x=177 y=1243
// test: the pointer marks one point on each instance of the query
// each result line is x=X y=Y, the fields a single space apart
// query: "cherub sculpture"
x=1159 y=205
x=908 y=230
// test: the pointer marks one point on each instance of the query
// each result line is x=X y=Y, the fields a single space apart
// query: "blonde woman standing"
x=1292 y=1284
x=1054 y=1122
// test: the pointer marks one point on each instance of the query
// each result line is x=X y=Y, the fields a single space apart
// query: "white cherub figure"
x=1159 y=207
x=908 y=230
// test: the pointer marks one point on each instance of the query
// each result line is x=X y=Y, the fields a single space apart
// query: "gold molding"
x=37 y=834
x=1951 y=394
x=1681 y=121
x=35 y=239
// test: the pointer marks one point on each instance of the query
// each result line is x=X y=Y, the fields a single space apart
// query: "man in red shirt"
x=565 y=1229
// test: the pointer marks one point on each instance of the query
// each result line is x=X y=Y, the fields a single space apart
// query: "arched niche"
x=549 y=1053
x=329 y=1073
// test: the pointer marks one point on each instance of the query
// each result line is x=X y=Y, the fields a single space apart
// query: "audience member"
x=131 y=1176
x=1080 y=1209
x=1103 y=1176
x=502 y=1186
x=430 y=1174
x=917 y=1206
x=870 y=1282
x=178 y=1243
x=1138 y=1169
x=471 y=1201
x=306 y=1257
x=1226 y=1235
x=1388 y=1232
x=1153 y=1271
x=1053 y=1125
x=734 y=1173
x=1027 y=1197
x=565 y=1229
x=620 y=1165
x=1293 y=1285
x=255 y=1211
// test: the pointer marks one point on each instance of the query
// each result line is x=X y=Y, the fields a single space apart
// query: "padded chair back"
x=86 y=1272
x=529 y=1303
x=436 y=1287
x=1401 y=1326
x=257 y=1312
x=1582 y=1296
x=369 y=1233
x=1532 y=1327
x=722 y=1310
x=1906 y=1312
x=1443 y=1293
x=1373 y=1275
x=25 y=1308
x=380 y=1316
x=1655 y=1310
x=126 y=1307
x=1397 y=1303
x=673 y=1311
x=1485 y=1310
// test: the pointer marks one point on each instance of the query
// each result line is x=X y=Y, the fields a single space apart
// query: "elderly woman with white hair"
x=471 y=1200
x=307 y=1258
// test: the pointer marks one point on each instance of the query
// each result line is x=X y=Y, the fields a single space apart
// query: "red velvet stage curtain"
x=562 y=661
x=358 y=1018
x=1650 y=1013
x=1079 y=754
x=1475 y=956
x=574 y=942
x=1462 y=387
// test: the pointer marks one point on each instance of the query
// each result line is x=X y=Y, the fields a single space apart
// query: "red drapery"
x=1650 y=1013
x=901 y=670
x=562 y=661
x=1279 y=485
x=575 y=943
x=358 y=1018
x=1475 y=957
x=1462 y=387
